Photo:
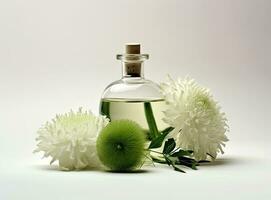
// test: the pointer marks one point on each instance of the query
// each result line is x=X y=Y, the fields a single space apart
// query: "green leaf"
x=188 y=162
x=151 y=120
x=186 y=159
x=178 y=169
x=170 y=145
x=172 y=163
x=159 y=160
x=194 y=166
x=158 y=141
x=203 y=161
x=167 y=130
x=181 y=153
x=169 y=162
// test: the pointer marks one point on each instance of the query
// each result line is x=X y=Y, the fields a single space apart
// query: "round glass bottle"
x=134 y=97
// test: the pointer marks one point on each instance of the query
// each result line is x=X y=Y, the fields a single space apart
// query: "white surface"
x=60 y=54
x=244 y=173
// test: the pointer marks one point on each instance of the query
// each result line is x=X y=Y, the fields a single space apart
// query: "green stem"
x=151 y=120
x=158 y=160
x=105 y=109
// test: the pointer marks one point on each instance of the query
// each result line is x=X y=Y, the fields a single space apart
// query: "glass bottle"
x=134 y=97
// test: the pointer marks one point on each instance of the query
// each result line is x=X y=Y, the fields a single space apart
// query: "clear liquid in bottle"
x=133 y=95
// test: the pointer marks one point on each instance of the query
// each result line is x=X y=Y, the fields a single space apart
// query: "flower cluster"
x=197 y=130
x=71 y=138
x=199 y=124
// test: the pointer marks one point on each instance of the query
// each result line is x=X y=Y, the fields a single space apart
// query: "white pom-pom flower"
x=199 y=124
x=71 y=138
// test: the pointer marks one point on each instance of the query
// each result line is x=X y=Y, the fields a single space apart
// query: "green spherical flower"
x=120 y=145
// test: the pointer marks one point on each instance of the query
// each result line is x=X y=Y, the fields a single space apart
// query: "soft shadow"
x=55 y=168
x=47 y=167
x=139 y=171
x=225 y=161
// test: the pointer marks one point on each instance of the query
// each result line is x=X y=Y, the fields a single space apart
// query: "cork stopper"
x=132 y=48
x=132 y=68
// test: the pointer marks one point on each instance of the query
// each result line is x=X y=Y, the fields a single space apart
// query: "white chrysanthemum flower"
x=71 y=139
x=199 y=124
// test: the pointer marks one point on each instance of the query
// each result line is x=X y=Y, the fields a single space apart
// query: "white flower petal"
x=192 y=109
x=71 y=139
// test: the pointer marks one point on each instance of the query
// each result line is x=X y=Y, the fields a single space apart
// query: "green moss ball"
x=120 y=145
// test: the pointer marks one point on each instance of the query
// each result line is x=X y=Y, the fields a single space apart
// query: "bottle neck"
x=132 y=70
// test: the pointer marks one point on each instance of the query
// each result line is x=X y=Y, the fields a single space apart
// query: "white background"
x=58 y=55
